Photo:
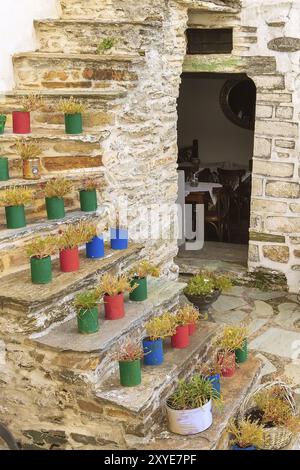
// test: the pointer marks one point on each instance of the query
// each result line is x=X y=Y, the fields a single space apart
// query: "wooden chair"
x=232 y=180
x=218 y=217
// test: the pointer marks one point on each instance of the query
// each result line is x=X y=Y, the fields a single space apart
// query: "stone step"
x=36 y=307
x=102 y=106
x=141 y=408
x=59 y=151
x=83 y=36
x=40 y=70
x=95 y=354
x=37 y=210
x=13 y=257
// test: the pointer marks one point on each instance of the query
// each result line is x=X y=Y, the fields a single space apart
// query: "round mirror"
x=238 y=100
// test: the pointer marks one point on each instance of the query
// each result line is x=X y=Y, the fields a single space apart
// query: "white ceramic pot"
x=187 y=422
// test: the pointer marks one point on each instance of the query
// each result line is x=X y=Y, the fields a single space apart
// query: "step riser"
x=50 y=73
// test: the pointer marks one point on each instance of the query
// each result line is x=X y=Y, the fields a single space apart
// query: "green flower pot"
x=55 y=207
x=4 y=173
x=73 y=123
x=2 y=123
x=15 y=216
x=41 y=270
x=88 y=200
x=130 y=373
x=88 y=321
x=241 y=355
x=141 y=292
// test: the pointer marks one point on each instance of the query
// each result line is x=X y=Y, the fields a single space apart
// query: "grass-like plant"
x=193 y=393
x=188 y=314
x=106 y=44
x=58 y=187
x=86 y=300
x=16 y=196
x=143 y=269
x=114 y=285
x=130 y=351
x=74 y=235
x=245 y=433
x=211 y=368
x=233 y=338
x=89 y=185
x=28 y=149
x=206 y=283
x=42 y=247
x=31 y=103
x=160 y=327
x=71 y=106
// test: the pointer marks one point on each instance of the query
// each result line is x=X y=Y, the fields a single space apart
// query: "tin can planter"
x=119 y=239
x=189 y=422
x=114 y=307
x=215 y=381
x=69 y=260
x=73 y=123
x=130 y=373
x=2 y=123
x=95 y=248
x=192 y=329
x=32 y=169
x=55 y=207
x=41 y=270
x=241 y=355
x=141 y=292
x=236 y=447
x=227 y=363
x=88 y=200
x=88 y=321
x=153 y=352
x=4 y=172
x=21 y=122
x=15 y=217
x=181 y=339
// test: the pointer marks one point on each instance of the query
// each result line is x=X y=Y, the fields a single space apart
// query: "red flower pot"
x=192 y=329
x=69 y=260
x=114 y=307
x=21 y=122
x=227 y=363
x=181 y=339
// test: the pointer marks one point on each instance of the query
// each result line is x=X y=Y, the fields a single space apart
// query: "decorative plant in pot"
x=112 y=289
x=157 y=329
x=86 y=305
x=119 y=235
x=95 y=242
x=69 y=241
x=2 y=123
x=55 y=191
x=14 y=200
x=88 y=196
x=205 y=288
x=245 y=434
x=40 y=250
x=193 y=316
x=233 y=348
x=138 y=275
x=72 y=109
x=29 y=153
x=21 y=118
x=183 y=320
x=4 y=170
x=129 y=358
x=212 y=372
x=189 y=407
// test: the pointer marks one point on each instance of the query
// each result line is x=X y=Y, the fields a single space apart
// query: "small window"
x=209 y=41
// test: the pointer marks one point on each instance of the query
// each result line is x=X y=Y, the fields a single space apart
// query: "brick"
x=284 y=112
x=270 y=168
x=279 y=254
x=283 y=224
x=257 y=186
x=262 y=147
x=276 y=128
x=264 y=111
x=265 y=205
x=285 y=144
x=282 y=189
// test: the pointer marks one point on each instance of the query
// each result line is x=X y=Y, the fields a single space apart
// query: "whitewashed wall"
x=17 y=31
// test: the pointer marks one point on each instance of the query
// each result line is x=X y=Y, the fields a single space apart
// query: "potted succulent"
x=233 y=348
x=138 y=275
x=238 y=337
x=4 y=171
x=112 y=289
x=72 y=109
x=55 y=191
x=21 y=118
x=95 y=243
x=14 y=199
x=40 y=250
x=205 y=288
x=157 y=329
x=29 y=153
x=189 y=407
x=212 y=372
x=181 y=338
x=245 y=434
x=129 y=358
x=88 y=196
x=119 y=236
x=2 y=123
x=86 y=306
x=68 y=242
x=193 y=316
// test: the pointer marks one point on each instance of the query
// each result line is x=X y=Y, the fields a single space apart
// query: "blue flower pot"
x=95 y=248
x=153 y=352
x=215 y=380
x=118 y=239
x=236 y=447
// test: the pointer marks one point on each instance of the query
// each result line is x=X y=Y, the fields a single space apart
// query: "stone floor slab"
x=262 y=309
x=258 y=294
x=234 y=317
x=292 y=371
x=289 y=315
x=227 y=302
x=255 y=325
x=278 y=342
x=268 y=367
